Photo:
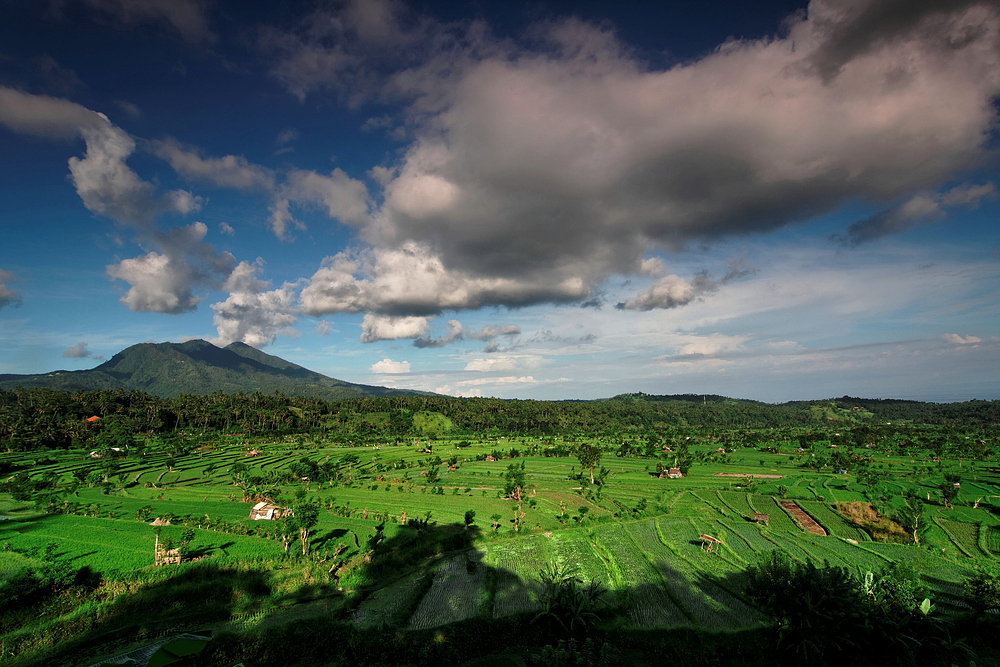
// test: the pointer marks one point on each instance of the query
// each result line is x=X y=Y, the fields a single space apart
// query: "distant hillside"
x=200 y=368
x=714 y=409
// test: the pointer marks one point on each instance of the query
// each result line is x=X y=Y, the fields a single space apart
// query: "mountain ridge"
x=199 y=367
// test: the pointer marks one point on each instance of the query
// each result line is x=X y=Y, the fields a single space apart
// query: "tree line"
x=47 y=418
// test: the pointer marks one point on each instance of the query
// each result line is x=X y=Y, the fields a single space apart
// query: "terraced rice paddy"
x=638 y=537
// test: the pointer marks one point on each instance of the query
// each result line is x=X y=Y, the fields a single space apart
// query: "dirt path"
x=802 y=517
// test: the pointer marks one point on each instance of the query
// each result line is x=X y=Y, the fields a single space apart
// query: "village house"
x=268 y=511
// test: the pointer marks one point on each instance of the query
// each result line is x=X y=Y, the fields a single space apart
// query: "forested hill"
x=199 y=368
x=709 y=408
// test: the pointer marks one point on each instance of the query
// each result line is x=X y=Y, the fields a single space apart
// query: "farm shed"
x=268 y=511
x=662 y=472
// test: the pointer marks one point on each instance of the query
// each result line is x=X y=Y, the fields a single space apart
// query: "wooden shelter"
x=164 y=556
x=760 y=517
x=268 y=511
x=709 y=543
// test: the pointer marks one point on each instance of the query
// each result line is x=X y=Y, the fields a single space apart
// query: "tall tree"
x=949 y=489
x=589 y=457
x=514 y=481
x=306 y=517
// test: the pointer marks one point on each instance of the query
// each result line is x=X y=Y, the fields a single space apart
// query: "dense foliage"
x=48 y=418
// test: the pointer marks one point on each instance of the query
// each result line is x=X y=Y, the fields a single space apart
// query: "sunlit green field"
x=635 y=534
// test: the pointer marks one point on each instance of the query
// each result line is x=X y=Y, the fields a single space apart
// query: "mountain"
x=199 y=367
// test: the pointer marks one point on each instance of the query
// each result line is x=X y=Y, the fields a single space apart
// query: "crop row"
x=778 y=519
x=457 y=593
x=517 y=564
x=650 y=603
x=739 y=503
x=571 y=550
x=709 y=500
x=704 y=600
x=965 y=536
x=386 y=605
x=992 y=539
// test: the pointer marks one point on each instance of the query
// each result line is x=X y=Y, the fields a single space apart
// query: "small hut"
x=674 y=473
x=268 y=511
x=760 y=517
x=164 y=556
x=709 y=543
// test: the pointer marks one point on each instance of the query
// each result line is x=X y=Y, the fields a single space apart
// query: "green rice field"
x=636 y=536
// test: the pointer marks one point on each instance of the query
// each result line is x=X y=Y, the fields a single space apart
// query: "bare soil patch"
x=806 y=521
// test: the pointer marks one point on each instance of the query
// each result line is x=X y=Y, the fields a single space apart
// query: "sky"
x=540 y=200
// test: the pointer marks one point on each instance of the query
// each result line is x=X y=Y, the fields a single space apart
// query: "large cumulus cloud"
x=252 y=313
x=533 y=176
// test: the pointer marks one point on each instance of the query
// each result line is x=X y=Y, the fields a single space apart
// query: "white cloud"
x=448 y=390
x=109 y=187
x=388 y=366
x=673 y=291
x=412 y=279
x=488 y=365
x=456 y=332
x=251 y=313
x=323 y=328
x=281 y=219
x=78 y=351
x=227 y=229
x=382 y=327
x=156 y=284
x=8 y=296
x=509 y=379
x=667 y=292
x=164 y=282
x=710 y=345
x=230 y=171
x=959 y=340
x=45 y=116
x=344 y=198
x=104 y=182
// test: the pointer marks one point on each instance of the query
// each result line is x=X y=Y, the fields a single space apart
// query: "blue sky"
x=528 y=200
